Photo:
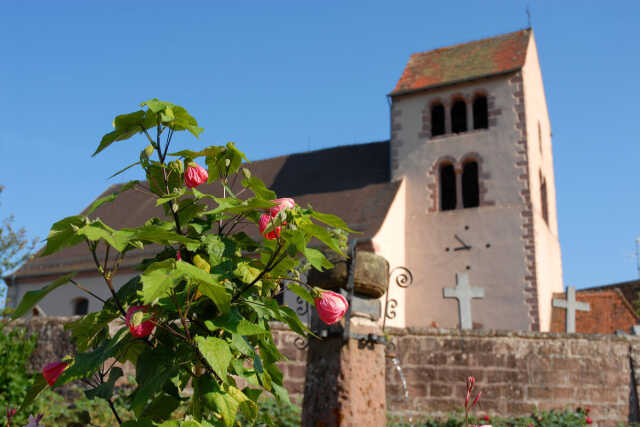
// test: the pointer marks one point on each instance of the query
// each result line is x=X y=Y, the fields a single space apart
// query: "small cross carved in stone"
x=571 y=305
x=463 y=292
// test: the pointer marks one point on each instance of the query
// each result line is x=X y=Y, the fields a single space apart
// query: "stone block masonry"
x=517 y=372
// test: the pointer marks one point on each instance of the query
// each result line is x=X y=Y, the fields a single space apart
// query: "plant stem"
x=115 y=412
x=106 y=276
x=87 y=291
x=267 y=269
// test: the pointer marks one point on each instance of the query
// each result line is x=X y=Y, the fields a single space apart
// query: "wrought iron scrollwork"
x=390 y=312
x=302 y=307
x=403 y=276
x=301 y=343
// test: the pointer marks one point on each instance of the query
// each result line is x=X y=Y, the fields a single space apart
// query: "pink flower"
x=588 y=420
x=284 y=203
x=264 y=223
x=52 y=371
x=331 y=307
x=486 y=418
x=195 y=175
x=141 y=329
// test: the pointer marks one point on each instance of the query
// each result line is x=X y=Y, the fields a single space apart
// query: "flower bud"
x=195 y=175
x=138 y=329
x=284 y=203
x=264 y=223
x=52 y=371
x=331 y=307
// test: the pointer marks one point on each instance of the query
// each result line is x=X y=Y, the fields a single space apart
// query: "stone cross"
x=571 y=305
x=463 y=292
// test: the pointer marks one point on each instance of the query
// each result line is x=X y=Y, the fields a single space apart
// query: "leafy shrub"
x=553 y=418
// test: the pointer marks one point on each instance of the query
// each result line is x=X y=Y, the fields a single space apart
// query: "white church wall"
x=499 y=268
x=389 y=242
x=539 y=148
x=60 y=301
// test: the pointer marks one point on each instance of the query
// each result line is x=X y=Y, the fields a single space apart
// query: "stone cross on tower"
x=463 y=292
x=571 y=305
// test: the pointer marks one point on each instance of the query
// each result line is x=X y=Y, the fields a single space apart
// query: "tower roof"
x=467 y=61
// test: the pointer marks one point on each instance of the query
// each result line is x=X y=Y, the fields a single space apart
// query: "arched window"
x=543 y=198
x=447 y=187
x=459 y=116
x=480 y=113
x=470 y=187
x=80 y=306
x=437 y=119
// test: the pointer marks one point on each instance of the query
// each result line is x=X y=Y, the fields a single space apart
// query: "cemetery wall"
x=517 y=372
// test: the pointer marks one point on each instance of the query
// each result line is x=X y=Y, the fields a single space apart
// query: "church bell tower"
x=471 y=137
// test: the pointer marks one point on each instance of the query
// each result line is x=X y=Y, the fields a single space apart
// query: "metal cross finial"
x=528 y=17
x=463 y=292
x=571 y=305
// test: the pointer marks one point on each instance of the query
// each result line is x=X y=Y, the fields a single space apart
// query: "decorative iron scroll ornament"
x=301 y=343
x=403 y=278
x=302 y=307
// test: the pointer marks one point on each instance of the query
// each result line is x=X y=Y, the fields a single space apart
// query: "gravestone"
x=463 y=292
x=571 y=305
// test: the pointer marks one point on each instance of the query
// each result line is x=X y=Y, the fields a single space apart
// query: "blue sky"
x=283 y=77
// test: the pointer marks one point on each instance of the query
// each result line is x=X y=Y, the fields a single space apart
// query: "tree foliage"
x=15 y=247
x=210 y=291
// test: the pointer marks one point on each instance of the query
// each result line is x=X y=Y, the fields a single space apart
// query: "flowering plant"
x=197 y=317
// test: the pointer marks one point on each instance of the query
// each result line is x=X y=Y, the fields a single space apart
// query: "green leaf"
x=161 y=407
x=111 y=197
x=155 y=105
x=322 y=234
x=158 y=279
x=224 y=162
x=301 y=291
x=235 y=323
x=246 y=273
x=86 y=364
x=208 y=284
x=31 y=298
x=156 y=234
x=226 y=401
x=86 y=331
x=259 y=189
x=126 y=125
x=105 y=390
x=38 y=385
x=184 y=121
x=147 y=389
x=167 y=198
x=317 y=259
x=63 y=234
x=124 y=170
x=331 y=220
x=217 y=354
x=235 y=206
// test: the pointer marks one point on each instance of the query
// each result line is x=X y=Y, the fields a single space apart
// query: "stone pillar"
x=345 y=379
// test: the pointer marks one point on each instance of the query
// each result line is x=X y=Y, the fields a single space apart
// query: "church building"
x=462 y=195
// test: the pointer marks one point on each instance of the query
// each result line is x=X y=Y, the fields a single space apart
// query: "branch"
x=267 y=269
x=87 y=291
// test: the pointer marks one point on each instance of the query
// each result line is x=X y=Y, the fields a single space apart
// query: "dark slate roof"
x=352 y=182
x=467 y=61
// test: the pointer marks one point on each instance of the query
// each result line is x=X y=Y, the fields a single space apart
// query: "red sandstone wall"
x=516 y=372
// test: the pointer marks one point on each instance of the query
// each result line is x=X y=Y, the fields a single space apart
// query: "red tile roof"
x=465 y=61
x=609 y=312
